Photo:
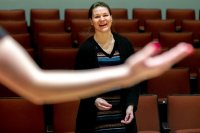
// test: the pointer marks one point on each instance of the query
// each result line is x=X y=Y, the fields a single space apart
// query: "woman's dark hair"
x=97 y=4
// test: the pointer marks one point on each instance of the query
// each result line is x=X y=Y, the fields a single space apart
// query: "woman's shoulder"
x=88 y=42
x=121 y=39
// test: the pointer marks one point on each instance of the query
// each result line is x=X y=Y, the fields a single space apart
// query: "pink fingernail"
x=157 y=46
x=190 y=49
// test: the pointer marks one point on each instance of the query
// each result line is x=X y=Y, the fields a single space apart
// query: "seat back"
x=78 y=26
x=171 y=39
x=183 y=112
x=157 y=26
x=70 y=14
x=64 y=115
x=192 y=62
x=125 y=25
x=147 y=114
x=174 y=81
x=46 y=26
x=52 y=26
x=192 y=26
x=15 y=27
x=55 y=40
x=13 y=14
x=21 y=116
x=59 y=58
x=82 y=36
x=143 y=14
x=119 y=13
x=179 y=15
x=138 y=40
x=23 y=39
x=44 y=14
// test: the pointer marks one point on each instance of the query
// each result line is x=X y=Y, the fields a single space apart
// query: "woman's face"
x=101 y=19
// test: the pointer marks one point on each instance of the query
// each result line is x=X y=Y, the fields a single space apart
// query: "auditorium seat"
x=21 y=116
x=44 y=14
x=19 y=31
x=169 y=39
x=192 y=62
x=143 y=14
x=119 y=13
x=78 y=26
x=70 y=14
x=174 y=81
x=59 y=58
x=194 y=27
x=125 y=25
x=64 y=116
x=183 y=113
x=23 y=39
x=157 y=26
x=82 y=36
x=12 y=14
x=47 y=26
x=179 y=15
x=55 y=40
x=50 y=26
x=15 y=27
x=147 y=114
x=138 y=40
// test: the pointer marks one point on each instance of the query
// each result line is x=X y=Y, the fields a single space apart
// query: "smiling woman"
x=112 y=111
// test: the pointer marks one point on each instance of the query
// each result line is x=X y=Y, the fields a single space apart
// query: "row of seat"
x=182 y=114
x=138 y=40
x=155 y=27
x=118 y=13
x=19 y=115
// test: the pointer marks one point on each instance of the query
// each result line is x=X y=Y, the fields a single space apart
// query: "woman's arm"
x=20 y=73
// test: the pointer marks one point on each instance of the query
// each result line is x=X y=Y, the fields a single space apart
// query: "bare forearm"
x=20 y=73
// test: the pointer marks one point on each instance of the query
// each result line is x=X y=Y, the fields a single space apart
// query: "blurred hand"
x=147 y=63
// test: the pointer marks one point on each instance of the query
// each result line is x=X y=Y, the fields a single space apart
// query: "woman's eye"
x=97 y=17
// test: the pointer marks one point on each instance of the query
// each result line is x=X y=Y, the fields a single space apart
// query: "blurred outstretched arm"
x=22 y=75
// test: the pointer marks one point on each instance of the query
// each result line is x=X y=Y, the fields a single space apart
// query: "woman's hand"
x=102 y=104
x=129 y=115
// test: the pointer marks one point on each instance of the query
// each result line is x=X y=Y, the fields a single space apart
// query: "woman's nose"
x=102 y=18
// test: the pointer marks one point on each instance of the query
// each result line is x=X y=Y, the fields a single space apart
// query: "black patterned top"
x=109 y=121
